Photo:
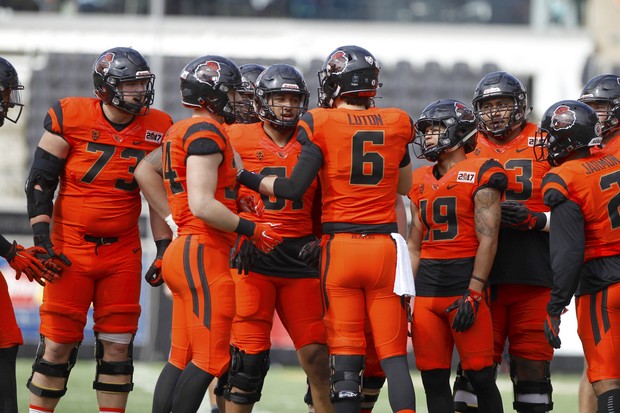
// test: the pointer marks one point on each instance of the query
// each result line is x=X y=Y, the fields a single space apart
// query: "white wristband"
x=173 y=226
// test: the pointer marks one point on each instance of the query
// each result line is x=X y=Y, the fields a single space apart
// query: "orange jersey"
x=362 y=153
x=446 y=206
x=524 y=172
x=98 y=193
x=260 y=154
x=198 y=136
x=592 y=183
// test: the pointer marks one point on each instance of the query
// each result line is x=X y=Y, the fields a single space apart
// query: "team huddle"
x=259 y=205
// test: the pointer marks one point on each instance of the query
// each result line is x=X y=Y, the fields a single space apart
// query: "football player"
x=199 y=177
x=456 y=213
x=280 y=280
x=92 y=146
x=601 y=93
x=360 y=154
x=23 y=261
x=520 y=280
x=249 y=73
x=582 y=191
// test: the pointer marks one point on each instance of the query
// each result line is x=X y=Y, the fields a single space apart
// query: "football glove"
x=466 y=310
x=25 y=261
x=252 y=204
x=153 y=274
x=265 y=237
x=552 y=330
x=518 y=216
x=310 y=253
x=51 y=260
x=242 y=255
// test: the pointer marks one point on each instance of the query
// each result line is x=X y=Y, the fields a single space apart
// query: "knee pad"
x=532 y=396
x=46 y=368
x=345 y=379
x=465 y=399
x=482 y=380
x=113 y=368
x=370 y=391
x=247 y=372
x=222 y=385
x=608 y=401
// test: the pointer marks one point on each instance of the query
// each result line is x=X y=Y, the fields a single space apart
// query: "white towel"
x=403 y=282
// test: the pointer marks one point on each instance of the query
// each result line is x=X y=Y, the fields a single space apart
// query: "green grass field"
x=283 y=391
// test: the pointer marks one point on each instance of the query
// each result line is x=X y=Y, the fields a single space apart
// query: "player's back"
x=198 y=136
x=363 y=151
x=593 y=184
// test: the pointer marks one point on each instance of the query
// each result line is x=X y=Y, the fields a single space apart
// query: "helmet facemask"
x=499 y=121
x=451 y=122
x=136 y=101
x=10 y=103
x=274 y=107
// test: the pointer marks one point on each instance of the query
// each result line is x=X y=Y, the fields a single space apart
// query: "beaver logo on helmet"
x=463 y=112
x=103 y=65
x=208 y=72
x=337 y=62
x=563 y=118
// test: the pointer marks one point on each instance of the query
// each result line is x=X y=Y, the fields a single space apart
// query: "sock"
x=8 y=386
x=164 y=389
x=190 y=389
x=36 y=409
x=111 y=410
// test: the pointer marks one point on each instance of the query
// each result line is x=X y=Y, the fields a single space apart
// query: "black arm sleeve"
x=567 y=243
x=304 y=172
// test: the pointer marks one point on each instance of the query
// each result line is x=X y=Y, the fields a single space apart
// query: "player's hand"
x=252 y=204
x=466 y=310
x=25 y=261
x=518 y=216
x=242 y=255
x=153 y=274
x=265 y=237
x=552 y=330
x=50 y=259
x=310 y=253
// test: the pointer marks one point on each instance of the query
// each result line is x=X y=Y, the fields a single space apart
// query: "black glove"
x=552 y=330
x=310 y=253
x=52 y=260
x=518 y=216
x=466 y=310
x=153 y=274
x=242 y=255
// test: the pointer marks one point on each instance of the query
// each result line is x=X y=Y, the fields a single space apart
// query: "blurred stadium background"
x=428 y=49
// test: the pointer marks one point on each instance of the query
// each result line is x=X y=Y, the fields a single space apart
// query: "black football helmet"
x=350 y=71
x=566 y=126
x=604 y=88
x=460 y=128
x=207 y=81
x=118 y=65
x=280 y=78
x=10 y=93
x=245 y=111
x=501 y=84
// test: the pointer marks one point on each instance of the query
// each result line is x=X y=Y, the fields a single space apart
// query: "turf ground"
x=283 y=392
